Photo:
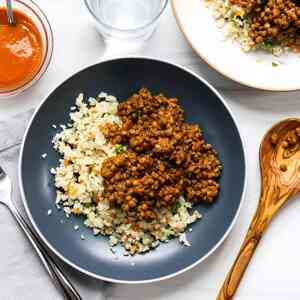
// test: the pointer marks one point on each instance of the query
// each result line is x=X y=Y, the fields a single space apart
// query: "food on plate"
x=21 y=51
x=271 y=25
x=134 y=169
x=165 y=157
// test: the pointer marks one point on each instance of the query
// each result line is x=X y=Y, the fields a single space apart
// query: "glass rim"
x=87 y=4
x=43 y=19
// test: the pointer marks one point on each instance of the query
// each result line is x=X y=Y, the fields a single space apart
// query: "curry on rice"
x=272 y=25
x=134 y=169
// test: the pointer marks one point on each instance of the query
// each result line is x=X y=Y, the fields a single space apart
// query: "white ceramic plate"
x=253 y=69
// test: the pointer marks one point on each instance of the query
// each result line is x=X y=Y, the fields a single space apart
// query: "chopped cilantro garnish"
x=105 y=114
x=267 y=45
x=87 y=205
x=175 y=207
x=119 y=148
x=247 y=19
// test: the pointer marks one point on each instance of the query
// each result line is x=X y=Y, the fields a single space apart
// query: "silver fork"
x=65 y=286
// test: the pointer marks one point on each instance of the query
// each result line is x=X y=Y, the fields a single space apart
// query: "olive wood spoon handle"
x=257 y=227
x=280 y=176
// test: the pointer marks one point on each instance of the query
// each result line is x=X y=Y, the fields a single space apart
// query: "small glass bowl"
x=32 y=10
x=122 y=21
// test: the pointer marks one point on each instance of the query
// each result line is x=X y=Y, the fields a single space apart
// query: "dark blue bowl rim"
x=91 y=274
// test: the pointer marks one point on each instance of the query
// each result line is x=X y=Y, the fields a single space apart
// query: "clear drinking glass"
x=126 y=20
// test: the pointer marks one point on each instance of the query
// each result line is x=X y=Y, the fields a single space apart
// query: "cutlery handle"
x=9 y=9
x=234 y=276
x=60 y=280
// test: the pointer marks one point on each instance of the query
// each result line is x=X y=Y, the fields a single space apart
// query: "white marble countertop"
x=275 y=269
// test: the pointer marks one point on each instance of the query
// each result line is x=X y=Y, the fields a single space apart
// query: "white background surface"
x=274 y=272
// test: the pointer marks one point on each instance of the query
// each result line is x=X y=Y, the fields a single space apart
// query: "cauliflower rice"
x=84 y=148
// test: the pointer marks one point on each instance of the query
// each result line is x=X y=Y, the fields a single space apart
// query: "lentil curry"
x=269 y=25
x=273 y=21
x=165 y=158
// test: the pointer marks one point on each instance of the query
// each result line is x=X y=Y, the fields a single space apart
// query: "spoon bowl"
x=280 y=165
x=280 y=181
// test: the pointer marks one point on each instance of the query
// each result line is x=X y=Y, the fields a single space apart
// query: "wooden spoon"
x=280 y=180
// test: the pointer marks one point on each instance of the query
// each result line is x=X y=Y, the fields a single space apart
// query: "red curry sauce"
x=21 y=51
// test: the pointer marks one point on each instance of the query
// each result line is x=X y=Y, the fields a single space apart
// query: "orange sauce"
x=21 y=51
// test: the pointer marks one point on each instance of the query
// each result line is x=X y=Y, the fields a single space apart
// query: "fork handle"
x=61 y=281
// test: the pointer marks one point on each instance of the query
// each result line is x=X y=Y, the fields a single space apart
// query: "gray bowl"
x=121 y=77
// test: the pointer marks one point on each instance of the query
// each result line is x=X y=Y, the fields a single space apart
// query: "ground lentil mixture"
x=165 y=157
x=271 y=25
x=273 y=21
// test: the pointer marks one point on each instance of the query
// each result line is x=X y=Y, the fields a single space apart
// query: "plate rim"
x=108 y=279
x=215 y=67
